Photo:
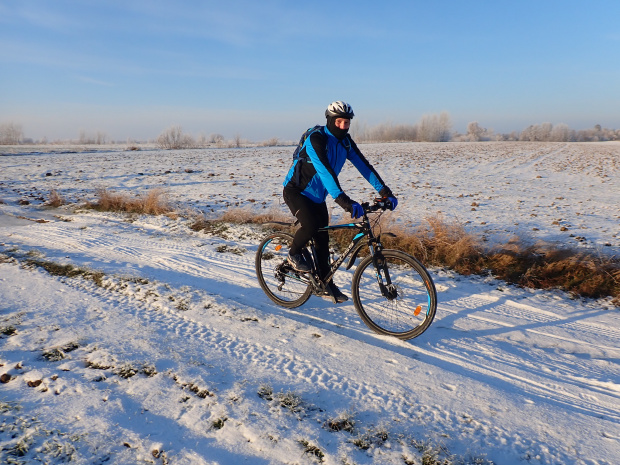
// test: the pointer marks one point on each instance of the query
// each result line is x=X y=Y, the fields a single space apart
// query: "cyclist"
x=313 y=175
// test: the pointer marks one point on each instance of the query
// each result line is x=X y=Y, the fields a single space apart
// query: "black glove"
x=345 y=202
x=386 y=194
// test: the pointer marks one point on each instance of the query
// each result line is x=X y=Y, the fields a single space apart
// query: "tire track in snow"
x=181 y=255
x=159 y=253
x=249 y=352
x=269 y=359
x=507 y=314
x=556 y=351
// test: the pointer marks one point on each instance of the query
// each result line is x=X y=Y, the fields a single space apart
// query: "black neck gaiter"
x=337 y=132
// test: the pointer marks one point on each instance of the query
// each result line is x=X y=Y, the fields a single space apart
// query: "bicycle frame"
x=392 y=292
x=352 y=250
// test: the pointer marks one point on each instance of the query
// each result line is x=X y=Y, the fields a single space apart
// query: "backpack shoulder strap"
x=304 y=137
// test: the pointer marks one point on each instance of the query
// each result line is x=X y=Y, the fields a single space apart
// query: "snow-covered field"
x=174 y=354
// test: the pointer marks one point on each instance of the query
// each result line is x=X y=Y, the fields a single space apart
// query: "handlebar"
x=379 y=204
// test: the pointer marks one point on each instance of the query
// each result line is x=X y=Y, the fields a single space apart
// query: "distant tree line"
x=175 y=138
x=437 y=128
x=430 y=128
x=546 y=132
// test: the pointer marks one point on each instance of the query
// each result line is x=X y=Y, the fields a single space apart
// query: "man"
x=314 y=174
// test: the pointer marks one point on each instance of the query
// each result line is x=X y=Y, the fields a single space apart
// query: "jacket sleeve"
x=366 y=169
x=317 y=152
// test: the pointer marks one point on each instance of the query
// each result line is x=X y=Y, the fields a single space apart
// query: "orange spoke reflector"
x=417 y=310
x=278 y=247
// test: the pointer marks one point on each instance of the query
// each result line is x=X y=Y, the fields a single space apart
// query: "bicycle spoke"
x=280 y=282
x=406 y=307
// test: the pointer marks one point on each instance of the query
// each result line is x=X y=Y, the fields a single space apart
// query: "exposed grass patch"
x=312 y=450
x=127 y=371
x=56 y=354
x=8 y=330
x=96 y=365
x=542 y=266
x=289 y=401
x=53 y=355
x=372 y=437
x=68 y=270
x=28 y=441
x=154 y=202
x=193 y=388
x=434 y=454
x=230 y=249
x=219 y=423
x=265 y=391
x=580 y=273
x=343 y=422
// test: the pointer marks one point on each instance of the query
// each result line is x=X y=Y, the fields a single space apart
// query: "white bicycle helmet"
x=339 y=109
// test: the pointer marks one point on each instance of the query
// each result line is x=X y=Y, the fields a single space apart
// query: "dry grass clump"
x=438 y=243
x=154 y=202
x=240 y=216
x=55 y=199
x=246 y=216
x=449 y=245
x=580 y=273
x=541 y=266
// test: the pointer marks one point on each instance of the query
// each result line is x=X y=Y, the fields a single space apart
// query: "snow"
x=177 y=356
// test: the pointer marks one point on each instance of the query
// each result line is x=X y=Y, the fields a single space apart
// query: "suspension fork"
x=388 y=290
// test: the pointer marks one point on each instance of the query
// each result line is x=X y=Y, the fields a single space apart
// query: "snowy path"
x=508 y=373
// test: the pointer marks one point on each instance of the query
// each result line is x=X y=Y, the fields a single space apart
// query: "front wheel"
x=280 y=282
x=395 y=297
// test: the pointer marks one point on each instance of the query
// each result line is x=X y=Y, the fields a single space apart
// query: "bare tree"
x=10 y=134
x=388 y=132
x=474 y=131
x=99 y=138
x=561 y=133
x=216 y=139
x=433 y=128
x=102 y=138
x=273 y=142
x=174 y=138
x=537 y=133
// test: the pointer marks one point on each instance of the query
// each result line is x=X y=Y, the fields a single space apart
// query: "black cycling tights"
x=311 y=216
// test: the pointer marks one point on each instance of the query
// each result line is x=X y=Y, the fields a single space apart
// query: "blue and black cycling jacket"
x=315 y=173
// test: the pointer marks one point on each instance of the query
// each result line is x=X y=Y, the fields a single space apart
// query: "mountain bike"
x=392 y=292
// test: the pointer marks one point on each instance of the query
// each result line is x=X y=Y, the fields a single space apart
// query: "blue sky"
x=264 y=69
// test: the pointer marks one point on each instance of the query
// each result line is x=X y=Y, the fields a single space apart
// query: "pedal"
x=326 y=294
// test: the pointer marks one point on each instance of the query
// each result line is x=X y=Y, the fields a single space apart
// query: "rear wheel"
x=396 y=298
x=281 y=283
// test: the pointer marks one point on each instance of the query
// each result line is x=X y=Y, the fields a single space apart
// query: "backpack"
x=308 y=133
x=296 y=154
x=303 y=139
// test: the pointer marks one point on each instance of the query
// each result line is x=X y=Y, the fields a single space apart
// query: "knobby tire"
x=281 y=283
x=406 y=313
